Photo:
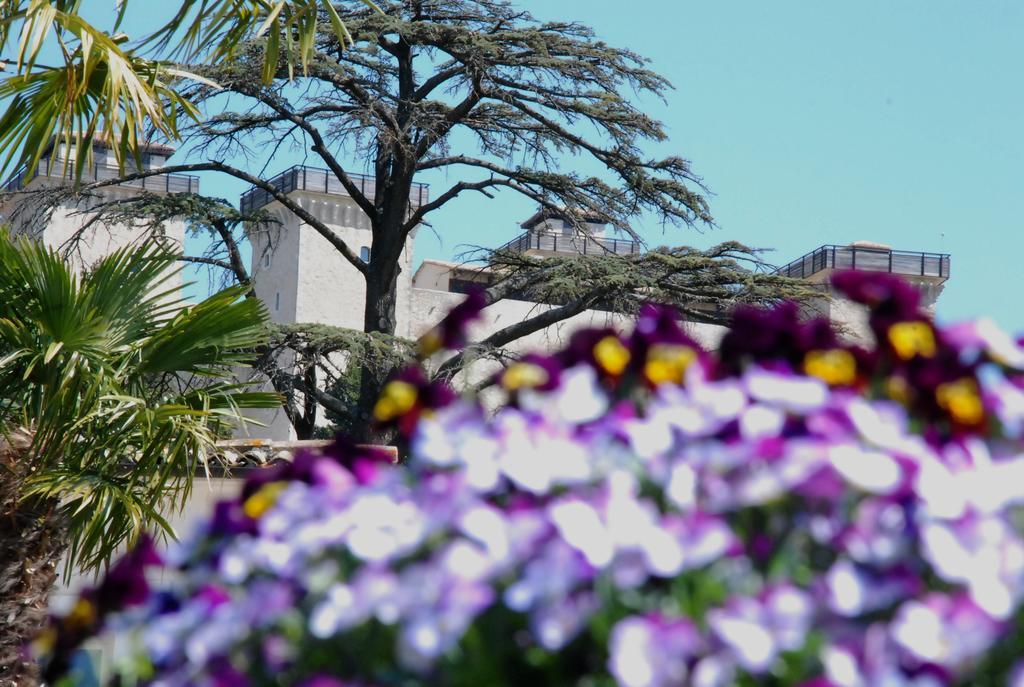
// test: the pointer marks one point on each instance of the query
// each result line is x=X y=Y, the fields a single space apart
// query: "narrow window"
x=277 y=301
x=266 y=258
x=364 y=254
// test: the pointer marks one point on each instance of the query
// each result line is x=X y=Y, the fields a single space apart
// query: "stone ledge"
x=245 y=454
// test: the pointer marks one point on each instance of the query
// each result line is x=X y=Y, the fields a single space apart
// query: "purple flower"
x=890 y=298
x=125 y=583
x=323 y=681
x=533 y=372
x=756 y=630
x=277 y=653
x=852 y=590
x=1016 y=675
x=552 y=574
x=405 y=399
x=212 y=595
x=224 y=674
x=881 y=532
x=769 y=337
x=652 y=651
x=661 y=351
x=797 y=494
x=983 y=553
x=452 y=332
x=437 y=611
x=557 y=623
x=949 y=631
x=230 y=520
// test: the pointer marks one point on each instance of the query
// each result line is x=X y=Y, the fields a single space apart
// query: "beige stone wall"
x=432 y=275
x=63 y=232
x=307 y=270
x=274 y=266
x=205 y=493
x=313 y=281
x=430 y=306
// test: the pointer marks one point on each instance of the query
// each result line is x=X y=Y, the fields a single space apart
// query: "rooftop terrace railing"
x=574 y=244
x=868 y=259
x=302 y=178
x=98 y=171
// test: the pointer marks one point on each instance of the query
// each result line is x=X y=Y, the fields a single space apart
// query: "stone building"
x=61 y=229
x=302 y=279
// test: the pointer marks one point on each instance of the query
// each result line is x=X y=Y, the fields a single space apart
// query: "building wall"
x=327 y=288
x=430 y=306
x=852 y=318
x=315 y=282
x=63 y=232
x=274 y=266
x=432 y=275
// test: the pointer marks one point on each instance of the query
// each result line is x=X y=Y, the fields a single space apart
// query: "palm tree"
x=111 y=397
x=113 y=87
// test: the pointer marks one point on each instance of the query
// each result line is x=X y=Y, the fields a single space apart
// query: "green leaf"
x=53 y=350
x=125 y=398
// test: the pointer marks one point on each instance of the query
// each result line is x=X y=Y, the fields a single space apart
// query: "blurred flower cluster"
x=791 y=510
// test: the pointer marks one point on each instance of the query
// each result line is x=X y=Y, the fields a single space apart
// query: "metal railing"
x=575 y=244
x=58 y=168
x=868 y=259
x=301 y=178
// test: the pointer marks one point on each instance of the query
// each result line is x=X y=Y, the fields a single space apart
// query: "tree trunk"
x=305 y=425
x=32 y=542
x=379 y=316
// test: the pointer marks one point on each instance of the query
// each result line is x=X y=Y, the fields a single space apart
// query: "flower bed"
x=788 y=511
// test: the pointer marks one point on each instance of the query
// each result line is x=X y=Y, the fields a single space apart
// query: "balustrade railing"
x=869 y=259
x=302 y=178
x=99 y=171
x=574 y=244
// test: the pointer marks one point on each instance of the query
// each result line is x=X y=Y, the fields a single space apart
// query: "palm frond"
x=106 y=88
x=124 y=396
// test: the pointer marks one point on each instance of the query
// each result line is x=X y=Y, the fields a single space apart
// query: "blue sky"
x=827 y=122
x=818 y=122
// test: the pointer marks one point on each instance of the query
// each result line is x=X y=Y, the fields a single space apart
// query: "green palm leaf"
x=124 y=393
x=104 y=88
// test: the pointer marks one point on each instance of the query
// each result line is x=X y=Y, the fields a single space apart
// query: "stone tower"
x=301 y=277
x=62 y=229
x=927 y=272
x=298 y=274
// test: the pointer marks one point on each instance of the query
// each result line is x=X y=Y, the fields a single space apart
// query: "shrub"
x=793 y=510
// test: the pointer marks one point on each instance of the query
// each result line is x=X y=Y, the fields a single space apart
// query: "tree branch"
x=320 y=148
x=523 y=328
x=235 y=262
x=336 y=241
x=417 y=216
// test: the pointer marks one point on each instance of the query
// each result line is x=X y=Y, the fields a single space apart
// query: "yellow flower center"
x=611 y=355
x=899 y=390
x=834 y=367
x=668 y=363
x=909 y=339
x=82 y=615
x=524 y=375
x=45 y=642
x=962 y=400
x=396 y=400
x=430 y=343
x=263 y=500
